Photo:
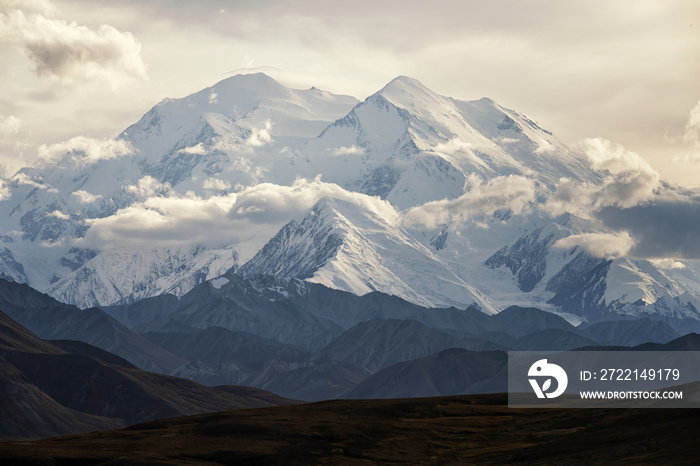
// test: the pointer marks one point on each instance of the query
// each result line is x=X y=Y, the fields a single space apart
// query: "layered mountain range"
x=438 y=201
x=297 y=339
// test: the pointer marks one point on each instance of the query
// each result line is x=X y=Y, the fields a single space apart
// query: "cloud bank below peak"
x=255 y=214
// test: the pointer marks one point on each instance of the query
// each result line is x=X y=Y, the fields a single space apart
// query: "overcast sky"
x=626 y=70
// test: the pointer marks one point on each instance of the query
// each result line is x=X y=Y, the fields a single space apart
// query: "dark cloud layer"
x=662 y=229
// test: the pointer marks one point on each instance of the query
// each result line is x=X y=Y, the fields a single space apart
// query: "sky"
x=625 y=71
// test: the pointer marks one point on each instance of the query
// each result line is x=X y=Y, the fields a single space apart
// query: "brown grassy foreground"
x=450 y=430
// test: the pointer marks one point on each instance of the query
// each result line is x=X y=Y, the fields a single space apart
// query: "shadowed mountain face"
x=50 y=319
x=67 y=387
x=360 y=347
x=630 y=333
x=449 y=372
x=475 y=429
x=25 y=410
x=28 y=412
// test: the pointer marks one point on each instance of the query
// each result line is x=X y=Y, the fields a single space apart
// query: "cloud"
x=215 y=184
x=22 y=178
x=255 y=213
x=686 y=158
x=5 y=192
x=194 y=150
x=667 y=263
x=85 y=197
x=60 y=215
x=345 y=150
x=504 y=140
x=604 y=245
x=692 y=128
x=544 y=147
x=665 y=228
x=213 y=98
x=512 y=192
x=630 y=180
x=148 y=187
x=260 y=136
x=654 y=220
x=606 y=155
x=82 y=150
x=70 y=53
x=9 y=126
x=267 y=203
x=43 y=7
x=452 y=146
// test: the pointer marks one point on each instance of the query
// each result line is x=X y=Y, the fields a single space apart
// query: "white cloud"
x=85 y=197
x=70 y=53
x=5 y=192
x=23 y=179
x=9 y=126
x=347 y=150
x=504 y=140
x=452 y=146
x=257 y=212
x=83 y=150
x=692 y=128
x=43 y=7
x=260 y=136
x=606 y=155
x=60 y=215
x=604 y=245
x=194 y=150
x=544 y=147
x=148 y=187
x=213 y=98
x=686 y=158
x=667 y=263
x=512 y=192
x=267 y=203
x=630 y=181
x=215 y=184
x=245 y=165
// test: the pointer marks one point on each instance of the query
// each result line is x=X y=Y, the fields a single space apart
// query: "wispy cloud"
x=59 y=215
x=347 y=150
x=148 y=187
x=692 y=128
x=83 y=150
x=85 y=197
x=197 y=149
x=605 y=245
x=9 y=126
x=630 y=180
x=511 y=192
x=260 y=136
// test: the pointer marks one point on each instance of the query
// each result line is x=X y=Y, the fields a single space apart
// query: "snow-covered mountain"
x=230 y=135
x=142 y=273
x=580 y=284
x=415 y=203
x=346 y=246
x=409 y=145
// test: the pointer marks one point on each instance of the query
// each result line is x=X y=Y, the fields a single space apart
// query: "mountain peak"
x=403 y=90
x=405 y=81
x=247 y=86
